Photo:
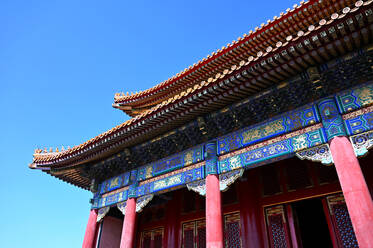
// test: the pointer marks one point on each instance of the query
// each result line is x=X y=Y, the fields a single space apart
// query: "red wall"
x=111 y=232
x=250 y=202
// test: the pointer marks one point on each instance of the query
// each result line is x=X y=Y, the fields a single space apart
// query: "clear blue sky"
x=61 y=63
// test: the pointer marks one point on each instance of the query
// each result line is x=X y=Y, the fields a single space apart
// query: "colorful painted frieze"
x=115 y=183
x=111 y=199
x=355 y=98
x=359 y=121
x=186 y=158
x=285 y=123
x=181 y=178
x=270 y=151
x=331 y=119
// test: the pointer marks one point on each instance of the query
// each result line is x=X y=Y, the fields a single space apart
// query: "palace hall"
x=263 y=143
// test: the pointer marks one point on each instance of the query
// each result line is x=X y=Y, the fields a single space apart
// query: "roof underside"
x=266 y=36
x=311 y=34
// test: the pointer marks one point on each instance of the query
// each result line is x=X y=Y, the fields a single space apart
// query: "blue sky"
x=61 y=63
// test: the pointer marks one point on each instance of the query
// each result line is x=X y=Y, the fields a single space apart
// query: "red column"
x=214 y=220
x=358 y=200
x=90 y=231
x=128 y=230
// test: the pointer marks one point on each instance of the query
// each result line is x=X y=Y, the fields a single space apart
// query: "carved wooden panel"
x=341 y=221
x=232 y=233
x=277 y=227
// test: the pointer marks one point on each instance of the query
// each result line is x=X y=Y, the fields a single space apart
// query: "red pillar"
x=90 y=231
x=214 y=220
x=128 y=230
x=358 y=200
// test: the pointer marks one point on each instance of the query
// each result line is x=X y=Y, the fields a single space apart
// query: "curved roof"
x=176 y=108
x=264 y=36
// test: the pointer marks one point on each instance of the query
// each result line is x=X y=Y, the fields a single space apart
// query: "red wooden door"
x=152 y=238
x=194 y=234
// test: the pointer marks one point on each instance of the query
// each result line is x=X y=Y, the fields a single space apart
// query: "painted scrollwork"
x=362 y=143
x=101 y=213
x=198 y=186
x=142 y=201
x=228 y=178
x=317 y=154
x=122 y=207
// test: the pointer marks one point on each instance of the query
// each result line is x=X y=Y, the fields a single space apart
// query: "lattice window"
x=188 y=234
x=341 y=221
x=201 y=234
x=194 y=234
x=277 y=227
x=232 y=234
x=152 y=238
x=146 y=240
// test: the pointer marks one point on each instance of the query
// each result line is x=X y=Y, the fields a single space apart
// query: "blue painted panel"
x=359 y=124
x=285 y=123
x=355 y=98
x=282 y=148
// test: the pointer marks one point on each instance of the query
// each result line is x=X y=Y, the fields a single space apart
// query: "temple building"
x=263 y=143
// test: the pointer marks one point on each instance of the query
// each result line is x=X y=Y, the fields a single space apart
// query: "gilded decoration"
x=142 y=201
x=285 y=123
x=101 y=213
x=188 y=158
x=226 y=179
x=122 y=207
x=114 y=182
x=149 y=171
x=300 y=142
x=263 y=131
x=365 y=95
x=331 y=119
x=317 y=154
x=272 y=150
x=359 y=121
x=362 y=143
x=171 y=163
x=198 y=187
x=165 y=183
x=355 y=98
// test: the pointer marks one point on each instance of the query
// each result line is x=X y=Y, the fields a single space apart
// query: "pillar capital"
x=211 y=158
x=331 y=118
x=132 y=190
x=317 y=154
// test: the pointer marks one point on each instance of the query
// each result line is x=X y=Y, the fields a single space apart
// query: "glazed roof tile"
x=44 y=159
x=217 y=60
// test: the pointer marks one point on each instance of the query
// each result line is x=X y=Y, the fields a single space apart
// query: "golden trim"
x=301 y=198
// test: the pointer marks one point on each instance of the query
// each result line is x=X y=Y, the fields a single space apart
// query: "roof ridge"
x=46 y=157
x=120 y=97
